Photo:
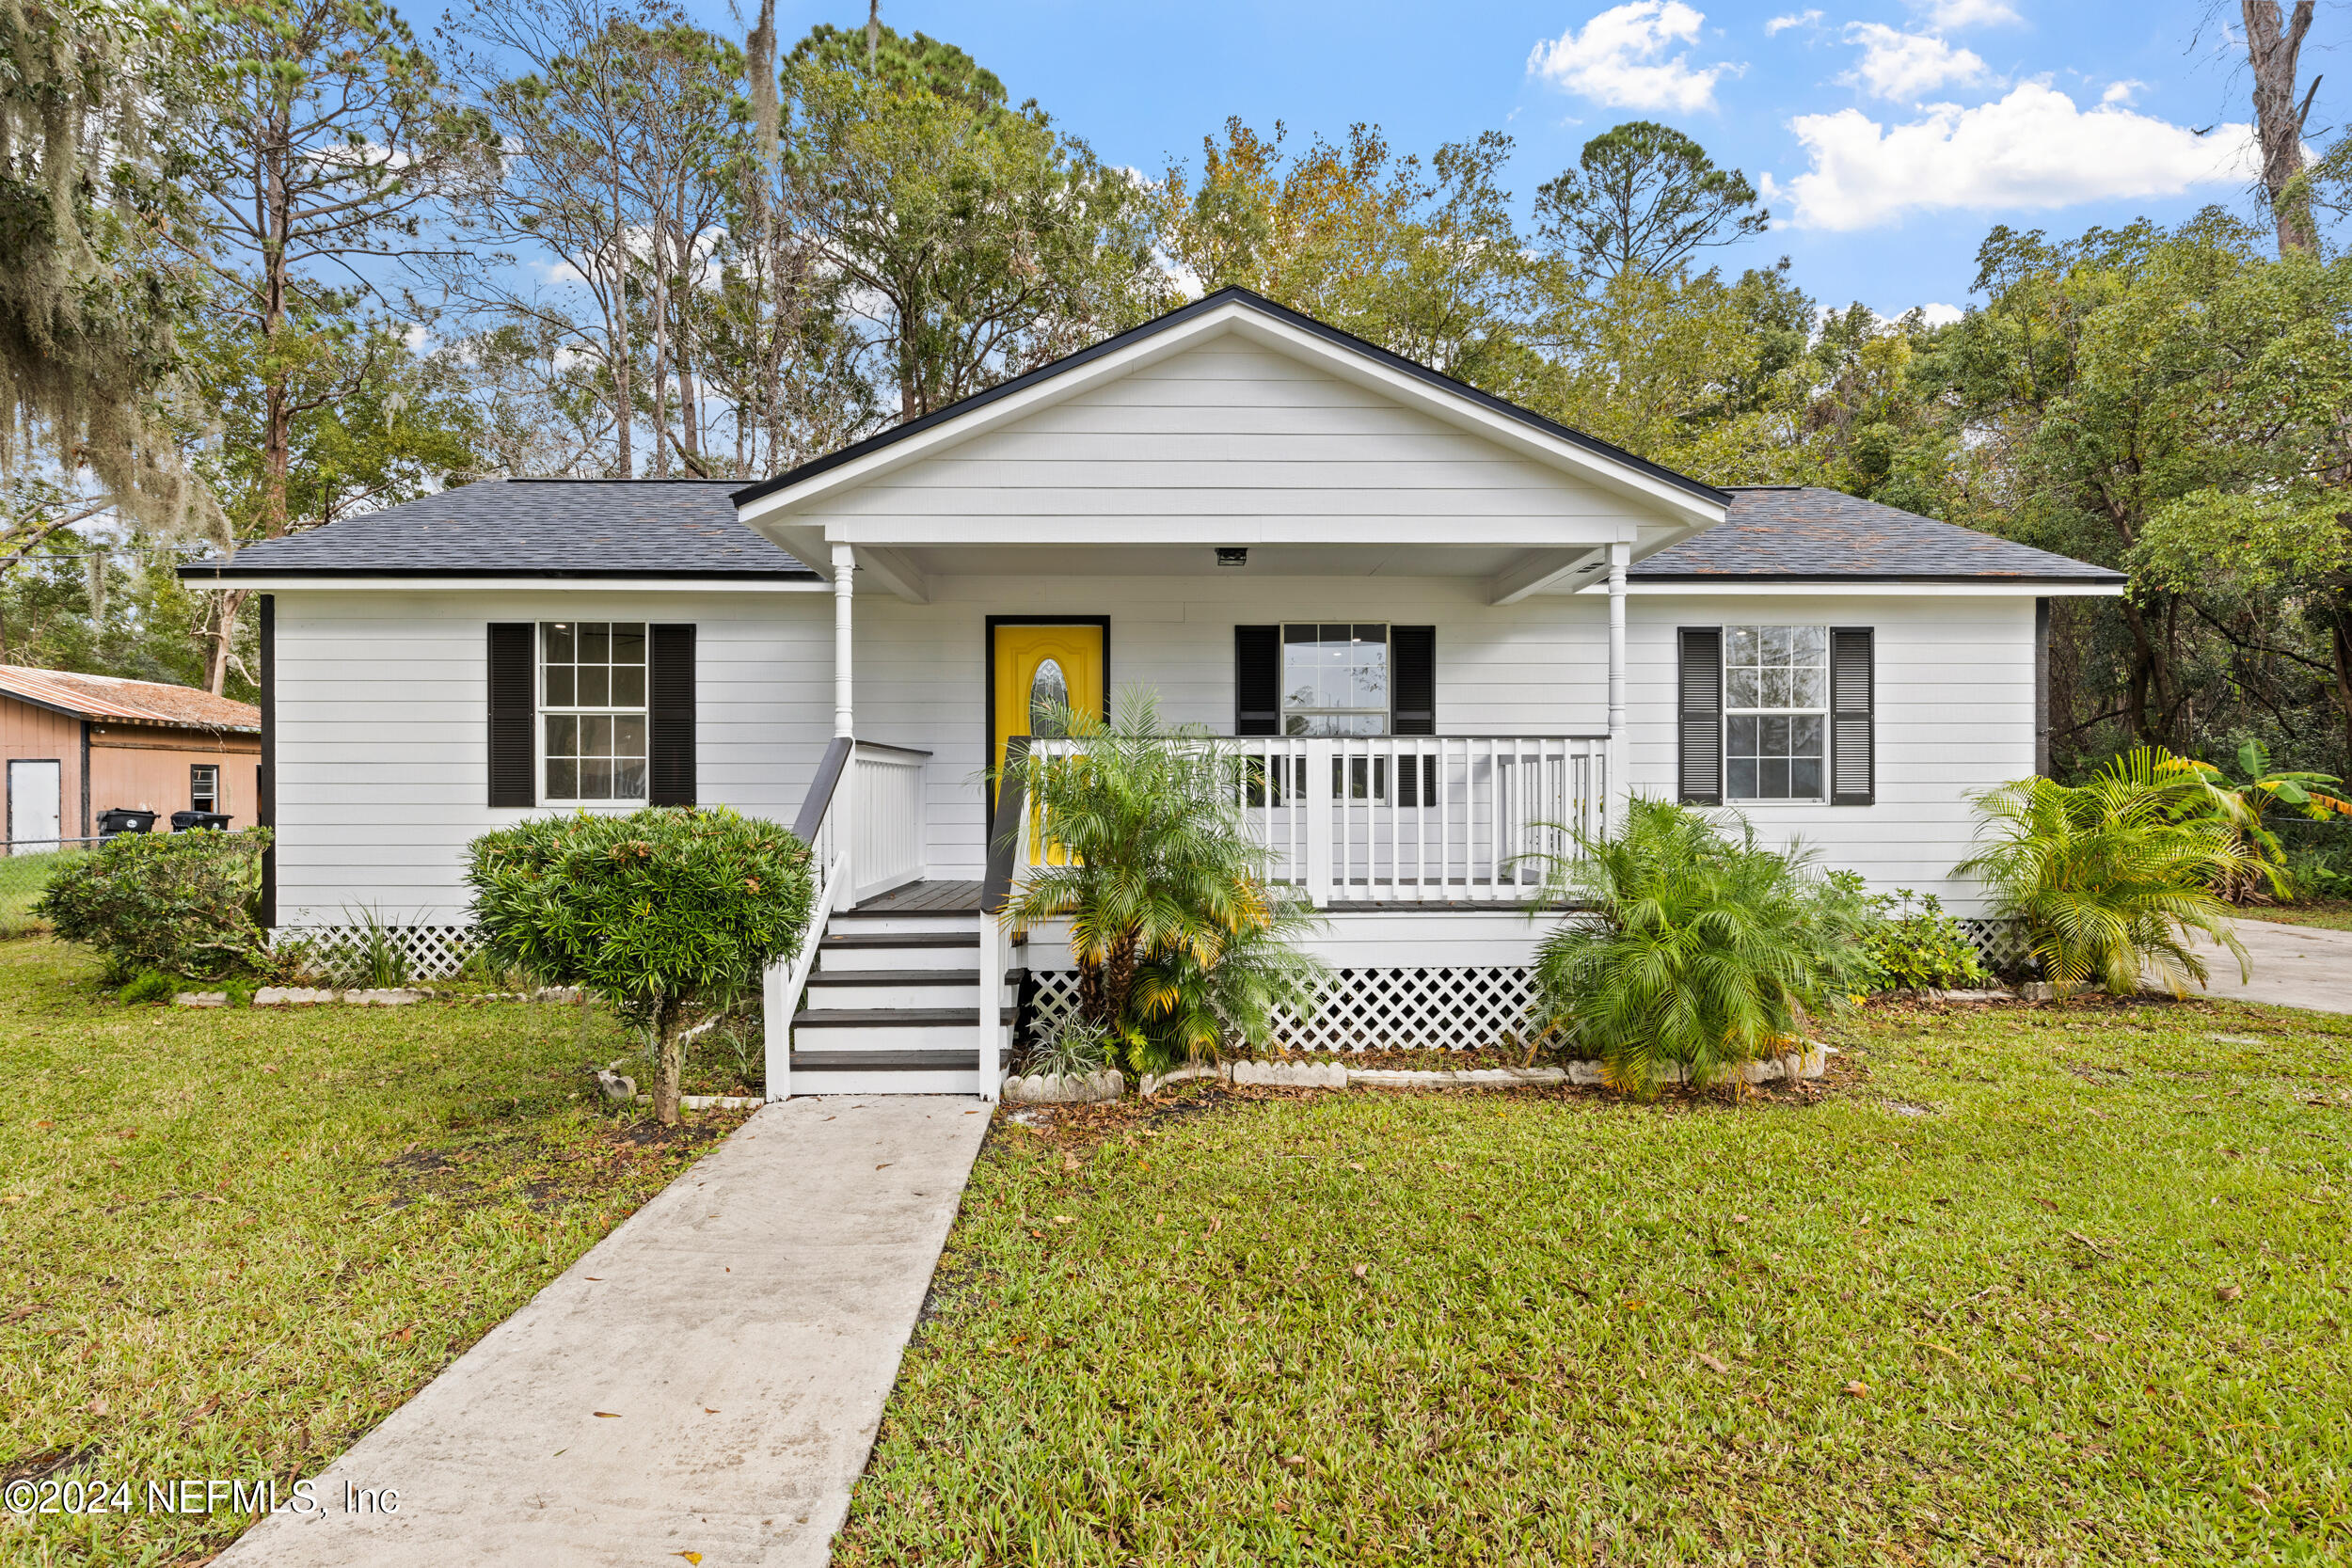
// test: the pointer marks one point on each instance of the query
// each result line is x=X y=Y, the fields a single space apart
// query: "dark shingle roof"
x=1230 y=296
x=1799 y=532
x=531 y=527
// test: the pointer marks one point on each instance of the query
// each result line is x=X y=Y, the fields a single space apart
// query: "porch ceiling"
x=1275 y=561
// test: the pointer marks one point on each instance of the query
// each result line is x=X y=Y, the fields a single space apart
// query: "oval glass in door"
x=1049 y=695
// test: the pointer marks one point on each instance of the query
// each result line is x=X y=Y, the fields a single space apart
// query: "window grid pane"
x=1335 y=678
x=592 y=699
x=1776 y=723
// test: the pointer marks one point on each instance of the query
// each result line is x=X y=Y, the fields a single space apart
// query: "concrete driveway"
x=707 y=1380
x=2295 y=966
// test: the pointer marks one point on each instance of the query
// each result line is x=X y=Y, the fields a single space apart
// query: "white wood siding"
x=1233 y=432
x=383 y=726
x=1953 y=716
x=381 y=705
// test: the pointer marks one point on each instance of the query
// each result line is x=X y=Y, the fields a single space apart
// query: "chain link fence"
x=26 y=870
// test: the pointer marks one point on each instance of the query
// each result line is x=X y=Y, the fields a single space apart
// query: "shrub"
x=2111 y=876
x=1073 y=1045
x=151 y=986
x=1699 y=948
x=670 y=914
x=1922 y=948
x=182 y=903
x=1180 y=936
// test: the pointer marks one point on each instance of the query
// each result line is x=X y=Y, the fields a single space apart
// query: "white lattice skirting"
x=1368 y=1009
x=345 y=954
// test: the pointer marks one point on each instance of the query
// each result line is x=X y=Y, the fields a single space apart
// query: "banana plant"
x=2243 y=801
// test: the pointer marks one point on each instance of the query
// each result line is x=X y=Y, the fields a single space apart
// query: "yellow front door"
x=1039 y=668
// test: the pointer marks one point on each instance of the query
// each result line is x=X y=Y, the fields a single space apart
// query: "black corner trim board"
x=513 y=711
x=1699 y=716
x=670 y=692
x=265 y=780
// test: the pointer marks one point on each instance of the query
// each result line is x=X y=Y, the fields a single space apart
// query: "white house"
x=1440 y=622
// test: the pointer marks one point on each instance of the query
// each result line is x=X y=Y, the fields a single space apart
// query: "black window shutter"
x=1257 y=680
x=1413 y=695
x=514 y=710
x=1699 y=716
x=1852 y=780
x=670 y=689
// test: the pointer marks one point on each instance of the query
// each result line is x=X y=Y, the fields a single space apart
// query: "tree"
x=669 y=915
x=587 y=101
x=2273 y=47
x=325 y=135
x=969 y=239
x=329 y=136
x=1423 y=260
x=1645 y=197
x=90 y=291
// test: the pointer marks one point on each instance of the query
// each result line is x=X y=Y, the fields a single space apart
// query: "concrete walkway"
x=742 y=1329
x=2295 y=966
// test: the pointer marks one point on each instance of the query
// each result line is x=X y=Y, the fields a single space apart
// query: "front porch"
x=1427 y=856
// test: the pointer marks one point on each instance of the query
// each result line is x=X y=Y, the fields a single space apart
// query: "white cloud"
x=1620 y=59
x=1969 y=13
x=2033 y=148
x=2121 y=92
x=1896 y=64
x=1780 y=24
x=1940 y=315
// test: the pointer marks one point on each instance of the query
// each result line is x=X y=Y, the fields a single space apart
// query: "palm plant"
x=1700 y=949
x=1181 y=936
x=2111 y=877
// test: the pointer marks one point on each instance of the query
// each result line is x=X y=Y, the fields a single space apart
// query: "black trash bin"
x=120 y=820
x=182 y=820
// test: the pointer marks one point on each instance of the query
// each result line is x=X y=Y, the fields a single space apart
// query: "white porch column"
x=1619 y=556
x=844 y=585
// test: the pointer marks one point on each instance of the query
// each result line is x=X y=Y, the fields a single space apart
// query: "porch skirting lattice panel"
x=341 y=954
x=1366 y=1009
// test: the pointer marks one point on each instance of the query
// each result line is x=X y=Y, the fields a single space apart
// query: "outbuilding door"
x=33 y=796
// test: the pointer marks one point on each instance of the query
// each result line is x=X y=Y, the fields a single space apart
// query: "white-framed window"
x=1335 y=678
x=1775 y=713
x=591 y=712
x=204 y=786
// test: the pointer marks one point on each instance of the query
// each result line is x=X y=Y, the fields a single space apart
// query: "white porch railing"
x=866 y=823
x=1407 y=819
x=889 y=823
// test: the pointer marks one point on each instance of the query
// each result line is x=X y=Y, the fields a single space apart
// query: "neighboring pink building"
x=77 y=746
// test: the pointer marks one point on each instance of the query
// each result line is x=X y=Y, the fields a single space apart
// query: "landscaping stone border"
x=1338 y=1075
x=353 y=996
x=1064 y=1090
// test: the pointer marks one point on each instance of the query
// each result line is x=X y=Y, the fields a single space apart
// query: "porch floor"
x=926 y=898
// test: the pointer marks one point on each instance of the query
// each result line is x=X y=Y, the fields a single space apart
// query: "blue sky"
x=1893 y=134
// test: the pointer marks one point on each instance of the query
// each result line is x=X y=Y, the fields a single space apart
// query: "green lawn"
x=2050 y=1286
x=236 y=1239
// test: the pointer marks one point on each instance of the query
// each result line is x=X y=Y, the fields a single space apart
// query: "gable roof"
x=1184 y=315
x=1791 y=533
x=80 y=696
x=558 y=528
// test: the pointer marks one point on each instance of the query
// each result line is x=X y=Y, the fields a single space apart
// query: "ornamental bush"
x=1695 y=946
x=181 y=903
x=1922 y=948
x=2115 y=877
x=670 y=914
